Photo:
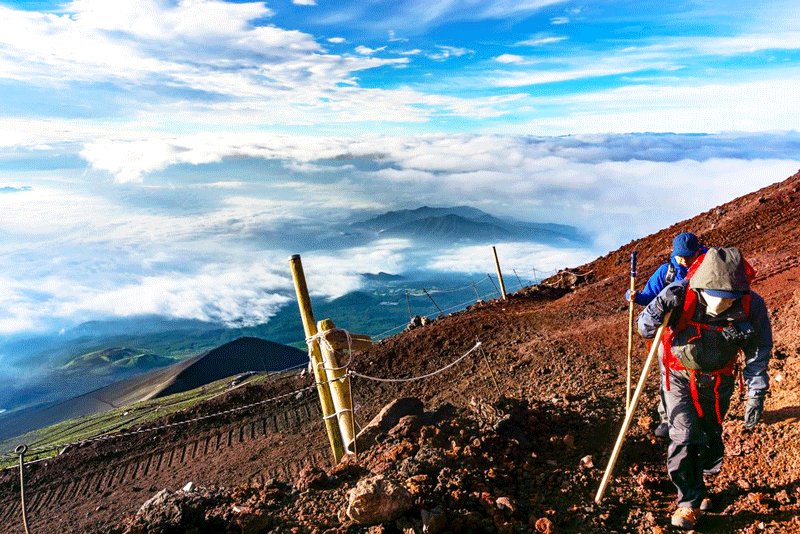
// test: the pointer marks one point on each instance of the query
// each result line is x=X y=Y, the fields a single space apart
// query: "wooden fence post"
x=499 y=274
x=334 y=342
x=310 y=328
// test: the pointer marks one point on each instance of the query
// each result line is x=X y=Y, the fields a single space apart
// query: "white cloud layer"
x=213 y=246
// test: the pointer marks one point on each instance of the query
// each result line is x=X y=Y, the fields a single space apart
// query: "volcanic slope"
x=530 y=460
x=238 y=356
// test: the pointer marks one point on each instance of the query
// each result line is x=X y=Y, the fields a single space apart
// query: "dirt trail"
x=558 y=354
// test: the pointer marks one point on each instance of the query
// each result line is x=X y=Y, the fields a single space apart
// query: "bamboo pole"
x=499 y=274
x=629 y=413
x=630 y=331
x=21 y=450
x=310 y=328
x=333 y=342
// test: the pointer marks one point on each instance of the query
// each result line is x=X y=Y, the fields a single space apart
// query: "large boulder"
x=387 y=418
x=377 y=500
x=170 y=512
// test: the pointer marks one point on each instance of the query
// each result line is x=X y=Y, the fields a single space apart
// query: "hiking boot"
x=707 y=505
x=662 y=431
x=685 y=518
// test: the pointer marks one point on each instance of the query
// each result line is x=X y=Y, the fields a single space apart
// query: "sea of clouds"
x=201 y=226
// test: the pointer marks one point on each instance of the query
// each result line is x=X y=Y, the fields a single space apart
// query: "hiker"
x=714 y=316
x=686 y=248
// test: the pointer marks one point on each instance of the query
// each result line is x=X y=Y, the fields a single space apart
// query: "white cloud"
x=210 y=261
x=305 y=2
x=522 y=79
x=337 y=40
x=367 y=51
x=446 y=52
x=393 y=38
x=557 y=21
x=416 y=16
x=540 y=41
x=509 y=59
x=740 y=44
x=676 y=108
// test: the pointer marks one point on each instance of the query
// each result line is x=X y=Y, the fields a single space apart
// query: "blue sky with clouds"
x=165 y=156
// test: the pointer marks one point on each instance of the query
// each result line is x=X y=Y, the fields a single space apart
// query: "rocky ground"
x=513 y=439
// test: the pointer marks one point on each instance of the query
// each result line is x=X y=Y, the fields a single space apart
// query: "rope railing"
x=434 y=290
x=106 y=437
x=420 y=377
x=444 y=310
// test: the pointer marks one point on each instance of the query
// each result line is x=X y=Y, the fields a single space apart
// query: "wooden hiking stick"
x=629 y=413
x=630 y=332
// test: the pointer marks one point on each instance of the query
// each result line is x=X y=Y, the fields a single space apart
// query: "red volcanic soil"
x=511 y=457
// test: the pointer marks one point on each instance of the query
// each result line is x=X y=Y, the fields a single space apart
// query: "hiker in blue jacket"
x=686 y=248
x=715 y=316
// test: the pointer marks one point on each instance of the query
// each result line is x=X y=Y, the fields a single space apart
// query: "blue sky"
x=165 y=156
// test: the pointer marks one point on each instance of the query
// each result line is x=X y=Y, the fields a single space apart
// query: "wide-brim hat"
x=722 y=274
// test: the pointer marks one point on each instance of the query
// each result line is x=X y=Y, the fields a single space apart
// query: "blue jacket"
x=756 y=354
x=657 y=282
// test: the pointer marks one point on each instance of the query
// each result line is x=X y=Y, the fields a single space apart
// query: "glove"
x=628 y=295
x=753 y=412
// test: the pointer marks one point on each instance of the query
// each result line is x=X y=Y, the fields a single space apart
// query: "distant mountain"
x=238 y=356
x=114 y=359
x=466 y=224
x=382 y=277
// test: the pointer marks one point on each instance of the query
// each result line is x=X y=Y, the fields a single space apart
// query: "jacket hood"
x=723 y=269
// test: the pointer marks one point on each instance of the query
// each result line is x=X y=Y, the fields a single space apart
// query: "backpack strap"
x=670 y=276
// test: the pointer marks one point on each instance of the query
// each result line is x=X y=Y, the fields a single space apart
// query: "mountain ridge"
x=464 y=223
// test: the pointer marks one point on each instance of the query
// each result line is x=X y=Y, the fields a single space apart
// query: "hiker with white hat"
x=714 y=316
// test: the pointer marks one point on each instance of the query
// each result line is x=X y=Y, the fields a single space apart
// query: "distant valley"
x=48 y=369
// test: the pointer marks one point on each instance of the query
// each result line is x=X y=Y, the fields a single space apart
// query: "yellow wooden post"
x=334 y=342
x=310 y=328
x=499 y=274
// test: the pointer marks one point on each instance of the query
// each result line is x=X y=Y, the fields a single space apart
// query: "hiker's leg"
x=686 y=439
x=714 y=450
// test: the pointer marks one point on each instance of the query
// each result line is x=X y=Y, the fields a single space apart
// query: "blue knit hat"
x=685 y=245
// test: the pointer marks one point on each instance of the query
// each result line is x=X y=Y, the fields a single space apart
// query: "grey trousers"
x=696 y=445
x=662 y=401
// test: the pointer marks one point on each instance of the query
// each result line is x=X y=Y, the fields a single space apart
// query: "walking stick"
x=631 y=410
x=630 y=332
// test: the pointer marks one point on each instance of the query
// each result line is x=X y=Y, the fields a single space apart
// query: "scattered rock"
x=377 y=500
x=543 y=525
x=387 y=418
x=506 y=503
x=188 y=487
x=434 y=521
x=251 y=520
x=587 y=462
x=311 y=477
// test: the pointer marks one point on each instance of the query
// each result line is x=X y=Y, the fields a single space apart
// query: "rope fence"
x=64 y=446
x=22 y=450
